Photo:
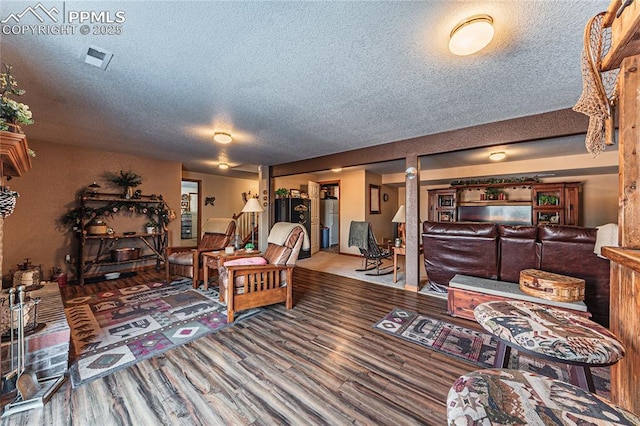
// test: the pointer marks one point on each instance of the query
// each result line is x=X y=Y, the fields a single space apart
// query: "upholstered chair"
x=260 y=281
x=187 y=262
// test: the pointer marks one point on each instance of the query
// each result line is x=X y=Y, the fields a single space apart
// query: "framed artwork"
x=294 y=193
x=374 y=199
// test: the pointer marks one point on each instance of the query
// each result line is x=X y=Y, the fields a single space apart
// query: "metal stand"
x=47 y=387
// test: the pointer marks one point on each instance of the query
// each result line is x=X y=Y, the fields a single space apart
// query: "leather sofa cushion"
x=568 y=250
x=460 y=248
x=519 y=250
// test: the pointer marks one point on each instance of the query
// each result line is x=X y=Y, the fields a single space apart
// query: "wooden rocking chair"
x=361 y=236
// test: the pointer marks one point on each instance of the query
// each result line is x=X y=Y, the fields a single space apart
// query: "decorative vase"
x=150 y=229
x=128 y=193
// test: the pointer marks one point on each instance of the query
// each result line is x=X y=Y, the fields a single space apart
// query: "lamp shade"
x=400 y=215
x=252 y=206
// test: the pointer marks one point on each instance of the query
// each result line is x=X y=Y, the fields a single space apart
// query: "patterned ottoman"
x=512 y=397
x=551 y=334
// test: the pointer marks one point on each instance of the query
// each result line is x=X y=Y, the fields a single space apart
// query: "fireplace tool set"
x=31 y=392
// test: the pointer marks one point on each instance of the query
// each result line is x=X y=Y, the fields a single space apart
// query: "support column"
x=625 y=260
x=412 y=225
x=265 y=196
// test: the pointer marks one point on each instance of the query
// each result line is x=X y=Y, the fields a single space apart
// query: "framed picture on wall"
x=374 y=199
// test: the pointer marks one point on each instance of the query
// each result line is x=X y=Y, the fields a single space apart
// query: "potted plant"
x=282 y=192
x=12 y=113
x=127 y=180
x=151 y=226
x=492 y=193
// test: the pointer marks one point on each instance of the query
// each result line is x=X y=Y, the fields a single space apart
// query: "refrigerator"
x=329 y=217
x=295 y=210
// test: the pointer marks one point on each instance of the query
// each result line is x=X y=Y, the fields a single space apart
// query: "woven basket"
x=7 y=201
x=550 y=286
x=28 y=314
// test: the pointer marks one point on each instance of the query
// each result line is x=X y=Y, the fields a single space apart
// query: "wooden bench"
x=466 y=292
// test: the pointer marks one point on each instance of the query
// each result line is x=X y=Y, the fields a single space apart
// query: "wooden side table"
x=213 y=259
x=402 y=250
x=551 y=334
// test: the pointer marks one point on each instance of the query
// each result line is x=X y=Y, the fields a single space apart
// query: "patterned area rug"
x=115 y=329
x=474 y=346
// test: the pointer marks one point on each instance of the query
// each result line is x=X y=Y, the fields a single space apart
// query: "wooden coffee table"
x=213 y=260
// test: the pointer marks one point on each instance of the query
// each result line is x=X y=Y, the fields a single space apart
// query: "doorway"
x=190 y=216
x=330 y=216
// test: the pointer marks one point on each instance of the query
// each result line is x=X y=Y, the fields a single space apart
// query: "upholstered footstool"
x=512 y=397
x=551 y=334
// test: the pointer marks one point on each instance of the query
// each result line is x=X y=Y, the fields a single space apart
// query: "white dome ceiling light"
x=471 y=35
x=222 y=138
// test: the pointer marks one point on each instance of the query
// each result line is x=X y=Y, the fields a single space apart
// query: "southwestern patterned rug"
x=477 y=347
x=115 y=329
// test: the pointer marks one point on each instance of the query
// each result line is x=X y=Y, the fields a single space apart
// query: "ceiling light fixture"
x=223 y=138
x=336 y=169
x=497 y=156
x=223 y=166
x=471 y=35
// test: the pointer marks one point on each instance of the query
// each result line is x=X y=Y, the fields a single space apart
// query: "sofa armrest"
x=179 y=249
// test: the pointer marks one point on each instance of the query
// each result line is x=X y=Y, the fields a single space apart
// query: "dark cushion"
x=460 y=248
x=519 y=250
x=568 y=250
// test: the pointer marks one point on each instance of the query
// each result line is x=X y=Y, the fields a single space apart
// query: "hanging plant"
x=12 y=113
x=7 y=201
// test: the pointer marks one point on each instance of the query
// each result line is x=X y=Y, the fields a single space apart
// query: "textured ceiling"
x=291 y=80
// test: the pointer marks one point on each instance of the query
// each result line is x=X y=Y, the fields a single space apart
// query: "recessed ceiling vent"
x=97 y=57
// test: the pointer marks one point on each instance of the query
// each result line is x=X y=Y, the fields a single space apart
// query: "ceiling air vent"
x=97 y=57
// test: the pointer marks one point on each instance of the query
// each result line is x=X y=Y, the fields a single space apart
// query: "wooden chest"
x=465 y=293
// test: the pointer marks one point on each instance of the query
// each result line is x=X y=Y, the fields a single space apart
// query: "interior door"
x=314 y=196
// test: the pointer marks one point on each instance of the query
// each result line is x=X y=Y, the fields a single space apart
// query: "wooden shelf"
x=120 y=236
x=14 y=151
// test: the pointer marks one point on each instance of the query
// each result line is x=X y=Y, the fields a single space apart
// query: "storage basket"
x=5 y=319
x=124 y=254
x=550 y=286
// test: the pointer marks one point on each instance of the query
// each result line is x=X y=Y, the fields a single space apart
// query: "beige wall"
x=228 y=192
x=50 y=189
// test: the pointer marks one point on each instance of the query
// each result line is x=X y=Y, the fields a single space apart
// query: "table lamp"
x=399 y=218
x=253 y=206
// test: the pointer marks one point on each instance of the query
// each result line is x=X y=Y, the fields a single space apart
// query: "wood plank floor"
x=318 y=363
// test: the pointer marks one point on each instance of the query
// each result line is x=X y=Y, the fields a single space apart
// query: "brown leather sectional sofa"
x=500 y=252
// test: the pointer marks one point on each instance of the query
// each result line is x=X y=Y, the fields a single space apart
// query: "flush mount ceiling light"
x=336 y=169
x=223 y=138
x=497 y=156
x=223 y=166
x=471 y=35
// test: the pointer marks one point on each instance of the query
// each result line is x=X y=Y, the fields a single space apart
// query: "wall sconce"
x=471 y=35
x=222 y=138
x=411 y=172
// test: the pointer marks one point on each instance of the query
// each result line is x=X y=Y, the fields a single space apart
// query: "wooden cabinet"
x=515 y=203
x=95 y=249
x=556 y=203
x=443 y=205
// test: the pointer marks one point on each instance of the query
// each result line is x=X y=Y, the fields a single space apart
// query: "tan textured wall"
x=381 y=223
x=49 y=190
x=228 y=192
x=353 y=199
